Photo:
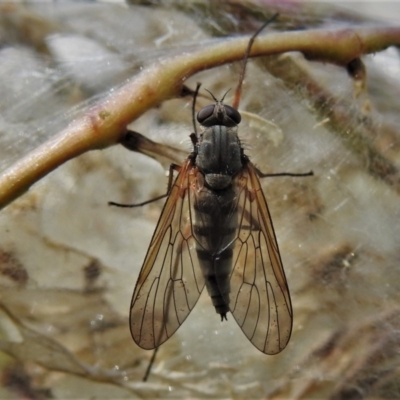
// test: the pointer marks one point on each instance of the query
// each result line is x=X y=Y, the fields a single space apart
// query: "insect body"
x=216 y=218
x=216 y=231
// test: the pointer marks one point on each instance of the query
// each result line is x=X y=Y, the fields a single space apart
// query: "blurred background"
x=69 y=262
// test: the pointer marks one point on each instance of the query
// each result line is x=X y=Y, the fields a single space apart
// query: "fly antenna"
x=215 y=99
x=211 y=95
x=238 y=91
x=223 y=97
x=196 y=92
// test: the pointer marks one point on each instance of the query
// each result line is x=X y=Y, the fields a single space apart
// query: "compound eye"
x=233 y=114
x=205 y=113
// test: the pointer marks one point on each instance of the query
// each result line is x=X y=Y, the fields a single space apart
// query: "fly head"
x=219 y=114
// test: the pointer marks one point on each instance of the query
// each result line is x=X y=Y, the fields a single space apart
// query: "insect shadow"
x=215 y=231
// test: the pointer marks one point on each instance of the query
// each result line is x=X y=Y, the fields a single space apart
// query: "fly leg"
x=135 y=141
x=253 y=223
x=263 y=175
x=172 y=168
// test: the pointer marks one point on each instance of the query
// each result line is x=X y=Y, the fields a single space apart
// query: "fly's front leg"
x=172 y=168
x=135 y=141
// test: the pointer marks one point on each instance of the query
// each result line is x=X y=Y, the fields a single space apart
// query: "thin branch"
x=104 y=124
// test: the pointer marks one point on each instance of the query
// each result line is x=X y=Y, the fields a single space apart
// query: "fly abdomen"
x=216 y=271
x=214 y=228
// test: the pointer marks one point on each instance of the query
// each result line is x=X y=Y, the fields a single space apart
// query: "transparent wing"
x=170 y=281
x=259 y=297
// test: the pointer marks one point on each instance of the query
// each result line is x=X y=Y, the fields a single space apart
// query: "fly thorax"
x=218 y=181
x=219 y=155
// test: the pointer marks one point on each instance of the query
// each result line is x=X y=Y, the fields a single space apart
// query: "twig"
x=104 y=124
